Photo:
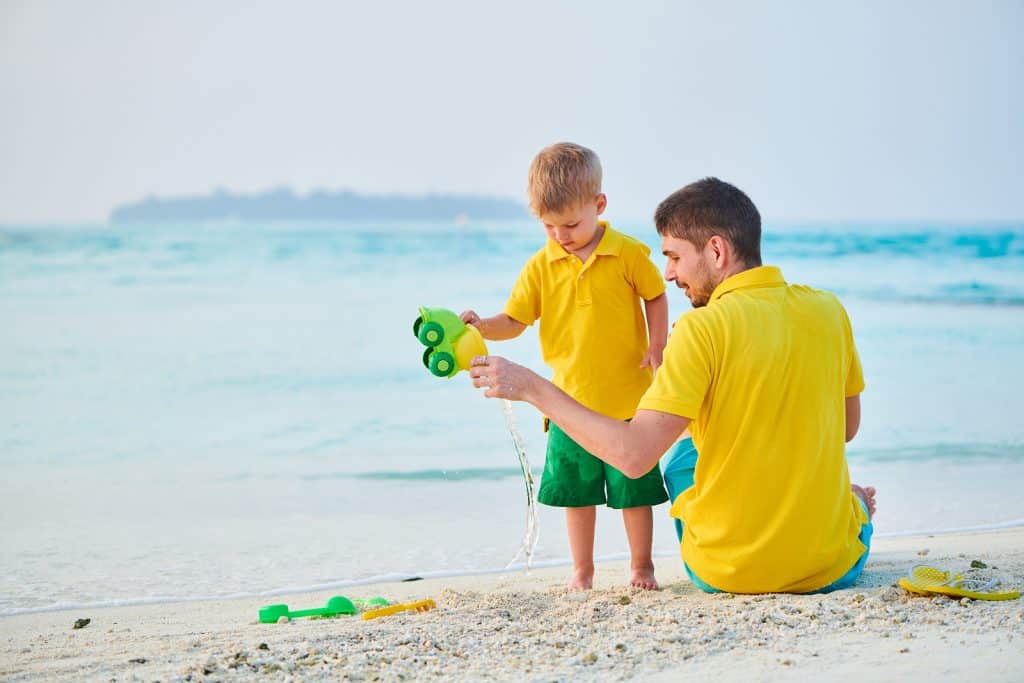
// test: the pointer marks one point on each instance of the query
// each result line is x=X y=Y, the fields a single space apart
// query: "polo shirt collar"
x=610 y=245
x=762 y=276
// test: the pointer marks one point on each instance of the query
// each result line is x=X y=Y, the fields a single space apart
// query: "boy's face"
x=574 y=229
x=690 y=268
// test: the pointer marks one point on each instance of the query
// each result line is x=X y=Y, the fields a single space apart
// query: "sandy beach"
x=528 y=627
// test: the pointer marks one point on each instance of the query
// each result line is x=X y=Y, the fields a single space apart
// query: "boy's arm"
x=656 y=311
x=496 y=328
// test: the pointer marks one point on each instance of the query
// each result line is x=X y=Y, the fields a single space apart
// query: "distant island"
x=282 y=204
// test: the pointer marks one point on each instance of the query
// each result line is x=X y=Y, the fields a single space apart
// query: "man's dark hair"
x=712 y=207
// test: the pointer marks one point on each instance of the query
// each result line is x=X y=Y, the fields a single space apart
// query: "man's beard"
x=700 y=292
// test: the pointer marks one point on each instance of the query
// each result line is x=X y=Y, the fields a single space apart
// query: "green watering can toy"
x=451 y=343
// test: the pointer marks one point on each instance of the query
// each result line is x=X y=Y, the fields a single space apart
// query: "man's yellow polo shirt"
x=592 y=329
x=763 y=371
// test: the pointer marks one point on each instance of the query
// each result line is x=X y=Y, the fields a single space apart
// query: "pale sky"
x=854 y=111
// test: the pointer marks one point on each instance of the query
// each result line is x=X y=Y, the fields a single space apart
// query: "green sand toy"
x=372 y=603
x=336 y=606
x=451 y=343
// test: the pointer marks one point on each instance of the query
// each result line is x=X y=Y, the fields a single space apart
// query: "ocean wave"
x=453 y=475
x=980 y=266
x=969 y=294
x=958 y=452
x=277 y=243
x=930 y=244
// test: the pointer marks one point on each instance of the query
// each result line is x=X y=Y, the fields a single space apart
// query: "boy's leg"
x=635 y=497
x=574 y=479
x=580 y=524
x=639 y=523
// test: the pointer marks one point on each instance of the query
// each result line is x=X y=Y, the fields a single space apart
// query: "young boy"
x=585 y=285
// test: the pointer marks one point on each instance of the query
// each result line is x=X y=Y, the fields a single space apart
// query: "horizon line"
x=929 y=221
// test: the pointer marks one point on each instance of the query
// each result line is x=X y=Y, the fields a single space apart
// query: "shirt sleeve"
x=683 y=380
x=523 y=303
x=644 y=275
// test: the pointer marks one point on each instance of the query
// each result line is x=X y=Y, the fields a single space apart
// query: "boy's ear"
x=602 y=203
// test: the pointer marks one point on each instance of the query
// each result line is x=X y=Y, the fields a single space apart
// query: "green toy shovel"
x=336 y=606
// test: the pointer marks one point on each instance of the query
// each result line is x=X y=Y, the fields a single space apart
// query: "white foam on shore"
x=293 y=590
x=957 y=530
x=395 y=578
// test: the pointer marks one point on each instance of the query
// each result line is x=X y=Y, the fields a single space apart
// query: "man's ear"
x=721 y=250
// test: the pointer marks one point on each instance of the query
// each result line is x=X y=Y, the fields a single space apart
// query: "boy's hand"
x=495 y=328
x=652 y=359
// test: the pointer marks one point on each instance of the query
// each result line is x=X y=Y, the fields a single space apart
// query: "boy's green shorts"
x=575 y=478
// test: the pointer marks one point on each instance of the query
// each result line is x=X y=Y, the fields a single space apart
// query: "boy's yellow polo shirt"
x=592 y=328
x=763 y=371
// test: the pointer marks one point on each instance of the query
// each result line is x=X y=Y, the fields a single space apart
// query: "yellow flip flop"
x=976 y=589
x=925 y=580
x=922 y=579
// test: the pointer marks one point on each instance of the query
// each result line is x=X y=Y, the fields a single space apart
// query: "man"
x=767 y=378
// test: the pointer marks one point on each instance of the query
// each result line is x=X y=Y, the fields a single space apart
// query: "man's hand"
x=501 y=378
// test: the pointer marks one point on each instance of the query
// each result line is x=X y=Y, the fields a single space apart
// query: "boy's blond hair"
x=562 y=177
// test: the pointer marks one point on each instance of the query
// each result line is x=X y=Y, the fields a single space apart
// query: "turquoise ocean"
x=196 y=411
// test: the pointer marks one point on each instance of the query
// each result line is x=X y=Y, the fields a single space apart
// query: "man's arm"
x=852 y=416
x=633 y=447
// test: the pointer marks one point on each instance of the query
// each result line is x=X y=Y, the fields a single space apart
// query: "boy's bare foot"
x=582 y=579
x=643 y=578
x=867 y=494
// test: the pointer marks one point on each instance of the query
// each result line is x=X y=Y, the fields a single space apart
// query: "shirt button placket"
x=583 y=289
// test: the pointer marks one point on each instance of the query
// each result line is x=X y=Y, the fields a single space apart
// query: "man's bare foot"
x=643 y=578
x=582 y=579
x=867 y=494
